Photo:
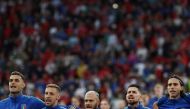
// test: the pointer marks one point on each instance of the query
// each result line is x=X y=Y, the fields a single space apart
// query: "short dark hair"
x=19 y=74
x=54 y=86
x=134 y=85
x=178 y=78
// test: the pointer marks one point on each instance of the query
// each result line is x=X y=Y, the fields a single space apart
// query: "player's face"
x=133 y=95
x=104 y=104
x=174 y=88
x=158 y=89
x=90 y=101
x=51 y=96
x=75 y=101
x=121 y=104
x=16 y=84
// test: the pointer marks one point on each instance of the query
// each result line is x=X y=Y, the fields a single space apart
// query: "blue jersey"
x=21 y=102
x=151 y=102
x=181 y=103
x=56 y=107
x=61 y=107
x=139 y=106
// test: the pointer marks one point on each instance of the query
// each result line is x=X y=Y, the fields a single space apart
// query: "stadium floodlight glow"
x=115 y=5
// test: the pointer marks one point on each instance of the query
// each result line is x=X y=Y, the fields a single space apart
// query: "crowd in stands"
x=103 y=45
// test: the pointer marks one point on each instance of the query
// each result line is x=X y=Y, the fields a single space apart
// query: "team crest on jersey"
x=23 y=106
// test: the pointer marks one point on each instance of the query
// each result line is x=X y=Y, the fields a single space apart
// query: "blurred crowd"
x=102 y=45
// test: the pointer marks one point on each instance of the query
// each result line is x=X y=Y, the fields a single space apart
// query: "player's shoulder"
x=186 y=97
x=35 y=102
x=72 y=107
x=27 y=97
x=63 y=107
x=162 y=100
x=187 y=94
x=32 y=99
x=4 y=100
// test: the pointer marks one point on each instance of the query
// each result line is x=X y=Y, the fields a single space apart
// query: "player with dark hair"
x=16 y=99
x=176 y=97
x=133 y=97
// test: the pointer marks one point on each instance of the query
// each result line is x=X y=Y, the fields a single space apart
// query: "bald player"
x=91 y=100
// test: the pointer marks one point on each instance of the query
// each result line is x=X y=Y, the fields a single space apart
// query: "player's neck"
x=175 y=97
x=159 y=95
x=55 y=104
x=15 y=94
x=134 y=105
